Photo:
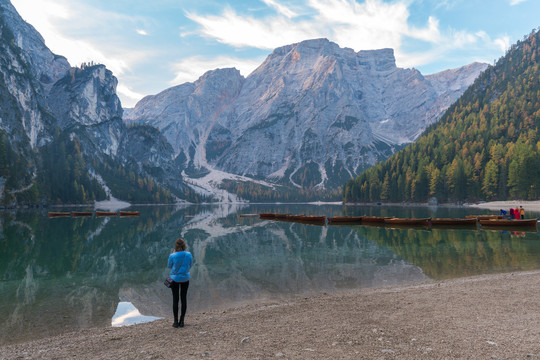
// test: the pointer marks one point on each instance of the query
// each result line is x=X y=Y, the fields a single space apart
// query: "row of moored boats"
x=470 y=220
x=93 y=213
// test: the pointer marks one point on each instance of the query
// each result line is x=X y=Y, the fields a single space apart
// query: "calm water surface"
x=64 y=274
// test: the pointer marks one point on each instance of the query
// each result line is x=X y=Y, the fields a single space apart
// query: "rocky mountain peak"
x=379 y=60
x=313 y=45
x=58 y=118
x=316 y=47
x=309 y=51
x=294 y=58
x=227 y=82
x=187 y=112
x=456 y=79
x=47 y=67
x=325 y=112
x=94 y=87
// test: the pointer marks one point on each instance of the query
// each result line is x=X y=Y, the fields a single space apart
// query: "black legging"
x=179 y=292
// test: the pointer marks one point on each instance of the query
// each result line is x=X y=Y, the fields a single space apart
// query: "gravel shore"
x=482 y=317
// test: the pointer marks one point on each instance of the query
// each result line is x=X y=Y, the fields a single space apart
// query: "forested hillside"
x=61 y=177
x=485 y=147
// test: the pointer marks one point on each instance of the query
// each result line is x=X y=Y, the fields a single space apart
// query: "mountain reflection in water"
x=71 y=273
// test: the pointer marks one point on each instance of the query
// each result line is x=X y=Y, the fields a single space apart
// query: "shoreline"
x=528 y=205
x=531 y=205
x=485 y=316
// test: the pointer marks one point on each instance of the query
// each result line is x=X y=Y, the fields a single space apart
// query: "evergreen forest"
x=485 y=147
x=58 y=174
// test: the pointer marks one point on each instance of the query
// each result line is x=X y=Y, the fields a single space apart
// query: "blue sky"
x=153 y=45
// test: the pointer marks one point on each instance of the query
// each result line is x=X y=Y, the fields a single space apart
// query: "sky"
x=153 y=45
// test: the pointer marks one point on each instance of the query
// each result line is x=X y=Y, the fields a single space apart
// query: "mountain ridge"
x=484 y=148
x=323 y=110
x=311 y=116
x=61 y=128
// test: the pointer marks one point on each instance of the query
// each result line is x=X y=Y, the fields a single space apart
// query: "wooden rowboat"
x=81 y=213
x=59 y=214
x=267 y=216
x=282 y=216
x=293 y=217
x=408 y=222
x=306 y=218
x=484 y=217
x=374 y=219
x=130 y=213
x=470 y=221
x=106 y=213
x=312 y=218
x=512 y=222
x=344 y=219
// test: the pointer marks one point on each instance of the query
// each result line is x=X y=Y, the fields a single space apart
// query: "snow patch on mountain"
x=209 y=185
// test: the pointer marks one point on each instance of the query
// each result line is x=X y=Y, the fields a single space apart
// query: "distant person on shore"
x=521 y=212
x=512 y=215
x=503 y=212
x=180 y=261
x=516 y=213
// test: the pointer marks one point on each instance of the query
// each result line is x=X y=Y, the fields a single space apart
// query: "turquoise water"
x=63 y=274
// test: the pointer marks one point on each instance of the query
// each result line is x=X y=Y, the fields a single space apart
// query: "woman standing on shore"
x=180 y=261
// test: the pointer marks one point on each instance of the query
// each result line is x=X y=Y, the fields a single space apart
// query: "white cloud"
x=77 y=31
x=141 y=32
x=283 y=10
x=128 y=96
x=48 y=15
x=240 y=31
x=446 y=4
x=516 y=2
x=369 y=25
x=190 y=69
x=38 y=13
x=503 y=43
x=429 y=34
x=457 y=40
x=482 y=35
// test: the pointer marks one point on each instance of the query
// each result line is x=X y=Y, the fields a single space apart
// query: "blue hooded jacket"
x=180 y=262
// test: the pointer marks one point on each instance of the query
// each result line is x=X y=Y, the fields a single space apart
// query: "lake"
x=64 y=274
